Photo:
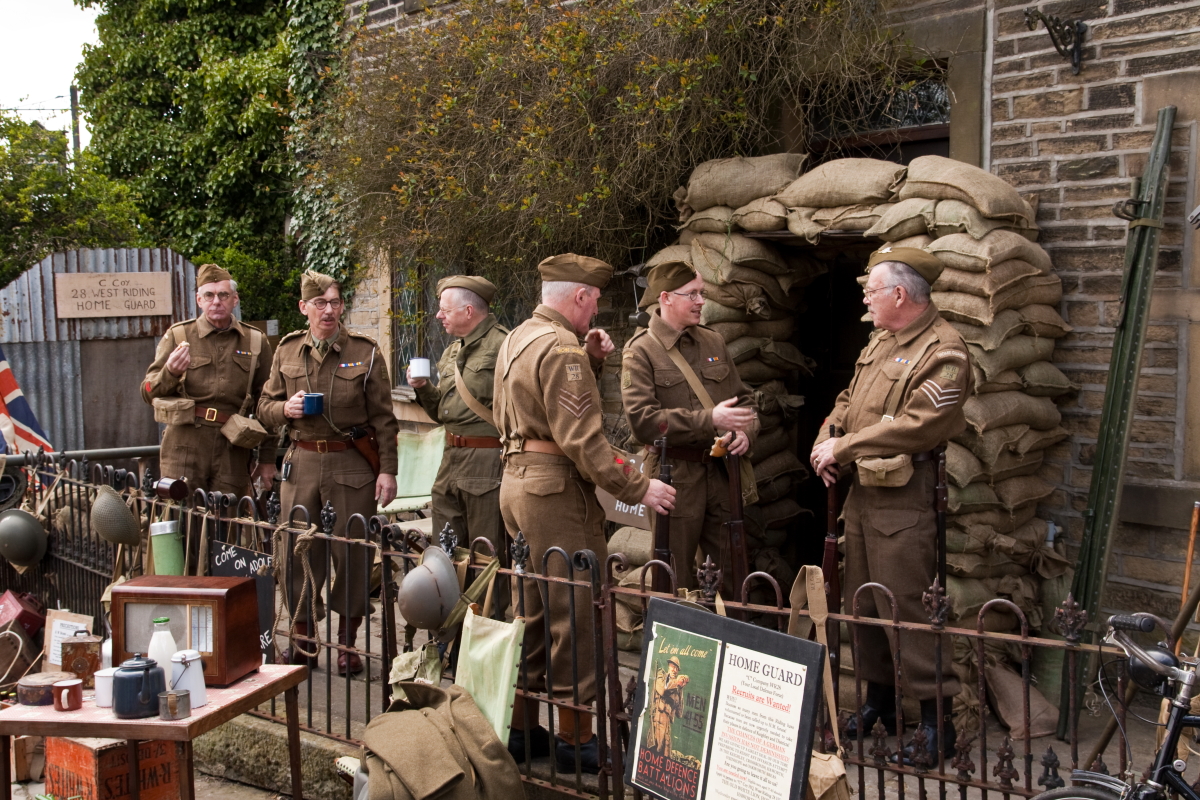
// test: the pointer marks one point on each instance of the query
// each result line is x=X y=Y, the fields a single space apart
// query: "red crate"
x=98 y=769
x=25 y=609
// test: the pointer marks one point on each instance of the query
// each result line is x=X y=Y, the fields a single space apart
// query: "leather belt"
x=541 y=446
x=699 y=455
x=489 y=442
x=928 y=455
x=211 y=415
x=324 y=445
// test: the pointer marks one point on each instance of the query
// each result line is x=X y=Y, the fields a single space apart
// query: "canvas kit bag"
x=239 y=429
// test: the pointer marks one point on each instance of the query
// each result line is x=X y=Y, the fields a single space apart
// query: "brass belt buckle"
x=210 y=415
x=322 y=445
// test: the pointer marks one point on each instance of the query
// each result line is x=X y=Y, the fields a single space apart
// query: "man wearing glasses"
x=904 y=402
x=660 y=401
x=466 y=493
x=343 y=454
x=221 y=365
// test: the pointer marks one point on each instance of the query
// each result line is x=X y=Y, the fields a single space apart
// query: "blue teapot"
x=136 y=685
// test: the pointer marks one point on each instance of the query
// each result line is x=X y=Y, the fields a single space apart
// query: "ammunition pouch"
x=174 y=410
x=244 y=431
x=891 y=472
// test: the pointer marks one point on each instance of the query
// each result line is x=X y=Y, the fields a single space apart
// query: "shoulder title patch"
x=952 y=354
x=949 y=372
x=626 y=379
x=570 y=350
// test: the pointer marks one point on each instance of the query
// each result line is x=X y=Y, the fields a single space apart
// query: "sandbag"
x=745 y=348
x=962 y=251
x=773 y=398
x=1043 y=379
x=962 y=466
x=731 y=331
x=802 y=270
x=975 y=310
x=778 y=329
x=944 y=178
x=772 y=562
x=784 y=462
x=985 y=284
x=982 y=565
x=785 y=356
x=755 y=372
x=714 y=268
x=844 y=182
x=1010 y=465
x=681 y=253
x=712 y=312
x=967 y=596
x=1017 y=352
x=1006 y=381
x=902 y=220
x=780 y=513
x=1023 y=492
x=1007 y=695
x=1044 y=320
x=1005 y=324
x=1038 y=440
x=718 y=219
x=955 y=216
x=750 y=297
x=762 y=214
x=742 y=251
x=800 y=223
x=846 y=218
x=770 y=491
x=973 y=498
x=987 y=445
x=636 y=544
x=1001 y=520
x=737 y=181
x=987 y=411
x=917 y=242
x=769 y=443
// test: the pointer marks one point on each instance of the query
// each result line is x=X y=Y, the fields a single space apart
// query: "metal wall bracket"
x=1066 y=35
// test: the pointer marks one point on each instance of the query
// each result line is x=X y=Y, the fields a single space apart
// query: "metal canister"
x=174 y=705
x=81 y=656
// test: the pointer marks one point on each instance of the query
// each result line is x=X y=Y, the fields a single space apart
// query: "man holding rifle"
x=904 y=402
x=661 y=400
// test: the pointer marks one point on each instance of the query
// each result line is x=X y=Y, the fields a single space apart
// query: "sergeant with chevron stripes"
x=904 y=401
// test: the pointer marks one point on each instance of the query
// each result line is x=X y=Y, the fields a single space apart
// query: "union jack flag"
x=20 y=427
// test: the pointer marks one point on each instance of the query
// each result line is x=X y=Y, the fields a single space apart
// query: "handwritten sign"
x=231 y=561
x=79 y=295
x=624 y=513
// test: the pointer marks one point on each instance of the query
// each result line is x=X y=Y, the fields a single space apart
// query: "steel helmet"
x=22 y=538
x=113 y=520
x=1146 y=677
x=429 y=591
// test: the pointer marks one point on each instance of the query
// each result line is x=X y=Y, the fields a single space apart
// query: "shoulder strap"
x=480 y=410
x=175 y=341
x=809 y=589
x=689 y=374
x=256 y=340
x=897 y=392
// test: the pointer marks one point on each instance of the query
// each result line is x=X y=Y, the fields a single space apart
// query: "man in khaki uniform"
x=659 y=401
x=222 y=365
x=324 y=463
x=547 y=408
x=466 y=494
x=905 y=399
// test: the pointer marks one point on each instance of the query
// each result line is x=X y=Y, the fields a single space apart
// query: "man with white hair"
x=466 y=494
x=548 y=413
x=220 y=366
x=904 y=402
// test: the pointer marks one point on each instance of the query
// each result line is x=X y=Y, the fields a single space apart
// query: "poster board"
x=83 y=295
x=231 y=561
x=732 y=719
x=61 y=625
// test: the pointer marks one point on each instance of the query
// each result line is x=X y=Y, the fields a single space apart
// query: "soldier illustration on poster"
x=680 y=680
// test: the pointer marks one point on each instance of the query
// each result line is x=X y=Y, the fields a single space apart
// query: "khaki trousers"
x=203 y=457
x=344 y=479
x=545 y=498
x=891 y=538
x=466 y=496
x=701 y=511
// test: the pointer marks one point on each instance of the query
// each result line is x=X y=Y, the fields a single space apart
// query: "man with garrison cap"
x=344 y=455
x=221 y=365
x=903 y=404
x=660 y=401
x=466 y=494
x=547 y=409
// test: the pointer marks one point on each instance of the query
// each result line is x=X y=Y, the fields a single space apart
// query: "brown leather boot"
x=347 y=633
x=292 y=655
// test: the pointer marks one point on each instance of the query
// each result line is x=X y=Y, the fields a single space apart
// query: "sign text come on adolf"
x=112 y=294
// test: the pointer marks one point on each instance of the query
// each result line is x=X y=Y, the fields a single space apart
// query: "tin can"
x=81 y=656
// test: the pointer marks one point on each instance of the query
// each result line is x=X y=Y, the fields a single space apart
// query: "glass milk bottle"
x=162 y=643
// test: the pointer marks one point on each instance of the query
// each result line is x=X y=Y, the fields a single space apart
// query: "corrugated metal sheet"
x=49 y=374
x=27 y=312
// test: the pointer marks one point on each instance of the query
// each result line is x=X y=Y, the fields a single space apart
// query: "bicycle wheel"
x=1078 y=793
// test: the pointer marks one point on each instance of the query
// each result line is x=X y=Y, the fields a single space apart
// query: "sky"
x=41 y=43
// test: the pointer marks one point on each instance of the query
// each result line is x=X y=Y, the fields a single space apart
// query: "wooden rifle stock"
x=661 y=582
x=941 y=501
x=737 y=525
x=833 y=580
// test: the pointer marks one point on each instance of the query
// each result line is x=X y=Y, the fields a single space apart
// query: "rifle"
x=662 y=526
x=833 y=581
x=941 y=501
x=736 y=524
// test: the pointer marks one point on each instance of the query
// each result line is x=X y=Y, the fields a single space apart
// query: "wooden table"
x=223 y=705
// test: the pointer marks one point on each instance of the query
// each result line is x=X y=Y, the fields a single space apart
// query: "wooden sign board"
x=624 y=513
x=231 y=561
x=87 y=295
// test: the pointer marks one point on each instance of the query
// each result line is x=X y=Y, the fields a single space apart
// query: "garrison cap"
x=576 y=269
x=666 y=277
x=314 y=284
x=211 y=273
x=927 y=265
x=472 y=283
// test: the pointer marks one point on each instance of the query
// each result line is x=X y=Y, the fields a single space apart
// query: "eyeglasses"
x=442 y=310
x=208 y=297
x=869 y=292
x=320 y=304
x=695 y=296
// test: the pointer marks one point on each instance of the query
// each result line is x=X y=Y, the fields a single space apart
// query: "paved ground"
x=206 y=787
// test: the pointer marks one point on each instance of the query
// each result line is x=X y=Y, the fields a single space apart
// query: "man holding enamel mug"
x=466 y=493
x=331 y=388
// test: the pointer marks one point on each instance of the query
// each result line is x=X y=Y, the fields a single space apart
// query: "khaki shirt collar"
x=335 y=345
x=204 y=327
x=550 y=315
x=918 y=325
x=485 y=325
x=664 y=332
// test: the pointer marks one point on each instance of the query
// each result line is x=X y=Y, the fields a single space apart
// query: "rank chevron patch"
x=577 y=404
x=938 y=396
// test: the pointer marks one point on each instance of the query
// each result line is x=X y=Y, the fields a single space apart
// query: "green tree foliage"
x=48 y=204
x=493 y=136
x=264 y=290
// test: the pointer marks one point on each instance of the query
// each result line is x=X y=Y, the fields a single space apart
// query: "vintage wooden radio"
x=217 y=616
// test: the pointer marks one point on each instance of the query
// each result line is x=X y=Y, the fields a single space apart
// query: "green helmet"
x=429 y=590
x=112 y=519
x=22 y=538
